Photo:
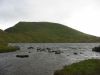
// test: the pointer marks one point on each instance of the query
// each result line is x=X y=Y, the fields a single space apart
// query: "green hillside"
x=2 y=36
x=42 y=32
x=47 y=32
x=4 y=39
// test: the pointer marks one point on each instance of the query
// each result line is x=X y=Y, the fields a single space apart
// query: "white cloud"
x=86 y=20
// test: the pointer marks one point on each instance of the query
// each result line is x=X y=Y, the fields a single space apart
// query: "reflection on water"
x=45 y=63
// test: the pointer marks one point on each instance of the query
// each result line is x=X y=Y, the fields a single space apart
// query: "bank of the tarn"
x=87 y=67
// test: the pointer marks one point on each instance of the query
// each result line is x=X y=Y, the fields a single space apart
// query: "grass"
x=5 y=48
x=4 y=39
x=87 y=67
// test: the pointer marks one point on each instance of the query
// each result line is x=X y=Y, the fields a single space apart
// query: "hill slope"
x=47 y=32
x=4 y=37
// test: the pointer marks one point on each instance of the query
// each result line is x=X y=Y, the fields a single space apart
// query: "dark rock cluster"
x=96 y=49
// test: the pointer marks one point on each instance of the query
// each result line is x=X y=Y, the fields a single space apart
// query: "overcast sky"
x=83 y=15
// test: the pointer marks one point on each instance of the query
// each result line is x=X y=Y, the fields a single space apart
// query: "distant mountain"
x=47 y=32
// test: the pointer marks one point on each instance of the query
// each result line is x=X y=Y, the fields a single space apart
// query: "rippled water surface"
x=44 y=63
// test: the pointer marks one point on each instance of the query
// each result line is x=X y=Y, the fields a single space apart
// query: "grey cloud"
x=23 y=9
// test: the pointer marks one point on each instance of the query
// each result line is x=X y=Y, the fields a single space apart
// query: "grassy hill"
x=2 y=36
x=47 y=32
x=4 y=39
x=42 y=32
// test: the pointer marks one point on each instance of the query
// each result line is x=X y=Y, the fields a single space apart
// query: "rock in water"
x=96 y=49
x=22 y=56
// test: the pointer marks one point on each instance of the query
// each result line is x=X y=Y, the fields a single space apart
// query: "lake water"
x=44 y=63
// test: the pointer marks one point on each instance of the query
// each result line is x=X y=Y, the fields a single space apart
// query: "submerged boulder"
x=58 y=52
x=75 y=53
x=30 y=47
x=22 y=56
